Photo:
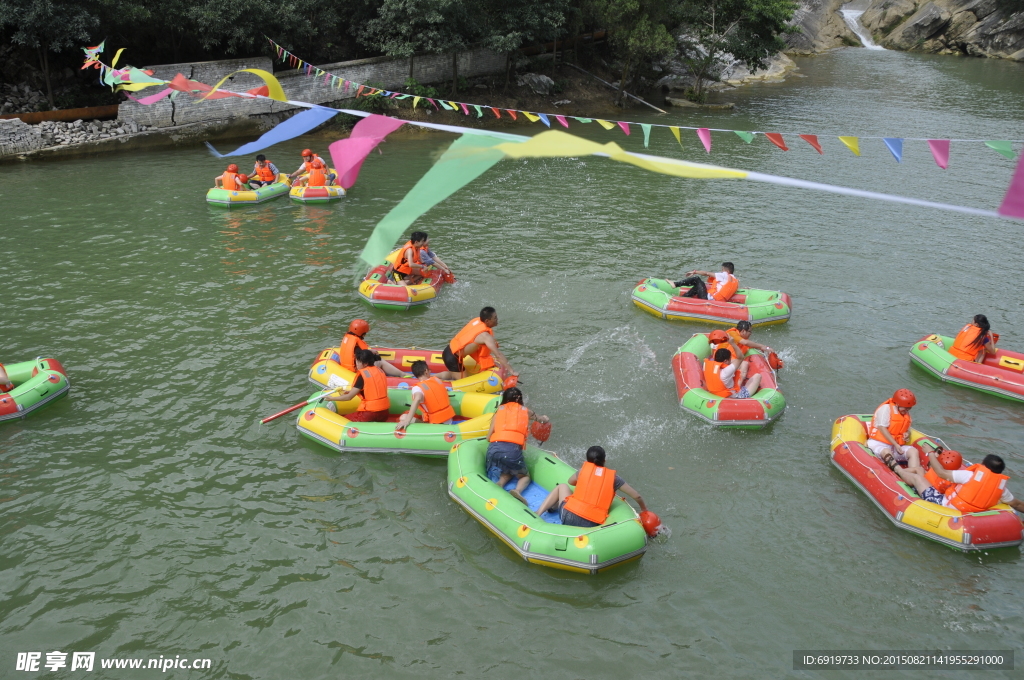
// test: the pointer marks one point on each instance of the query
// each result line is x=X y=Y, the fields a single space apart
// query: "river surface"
x=149 y=514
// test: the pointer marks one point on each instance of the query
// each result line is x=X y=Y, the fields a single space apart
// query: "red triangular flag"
x=776 y=139
x=512 y=113
x=497 y=113
x=813 y=141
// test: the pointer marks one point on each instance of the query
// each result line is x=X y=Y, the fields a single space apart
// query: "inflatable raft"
x=996 y=528
x=316 y=194
x=381 y=291
x=332 y=429
x=766 y=405
x=1001 y=374
x=542 y=540
x=267 y=192
x=760 y=307
x=36 y=384
x=326 y=372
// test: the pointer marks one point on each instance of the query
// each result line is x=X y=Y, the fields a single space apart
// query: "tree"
x=637 y=32
x=510 y=25
x=48 y=26
x=750 y=30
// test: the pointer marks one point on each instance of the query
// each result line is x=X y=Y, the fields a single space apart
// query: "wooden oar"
x=298 y=406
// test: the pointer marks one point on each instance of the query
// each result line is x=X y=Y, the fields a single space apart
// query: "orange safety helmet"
x=359 y=327
x=540 y=431
x=951 y=460
x=775 y=362
x=718 y=336
x=244 y=179
x=306 y=152
x=650 y=521
x=904 y=397
x=232 y=168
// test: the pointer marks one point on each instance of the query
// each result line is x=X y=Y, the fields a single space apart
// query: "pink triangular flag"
x=1013 y=203
x=940 y=152
x=624 y=126
x=464 y=109
x=562 y=120
x=705 y=138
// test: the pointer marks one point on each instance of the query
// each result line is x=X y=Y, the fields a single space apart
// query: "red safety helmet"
x=359 y=327
x=774 y=361
x=718 y=337
x=540 y=431
x=243 y=178
x=951 y=460
x=232 y=168
x=306 y=152
x=650 y=522
x=904 y=397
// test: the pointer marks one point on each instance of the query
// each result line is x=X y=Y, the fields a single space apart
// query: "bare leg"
x=521 y=484
x=744 y=367
x=913 y=457
x=390 y=369
x=913 y=477
x=753 y=384
x=503 y=479
x=446 y=375
x=557 y=495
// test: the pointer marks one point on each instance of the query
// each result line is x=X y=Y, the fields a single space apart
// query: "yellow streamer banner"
x=275 y=91
x=113 y=62
x=852 y=143
x=557 y=144
x=605 y=124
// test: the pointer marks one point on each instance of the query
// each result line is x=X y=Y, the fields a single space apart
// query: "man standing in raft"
x=264 y=172
x=353 y=341
x=430 y=396
x=476 y=339
x=974 y=340
x=589 y=504
x=317 y=172
x=887 y=433
x=371 y=386
x=976 y=489
x=720 y=286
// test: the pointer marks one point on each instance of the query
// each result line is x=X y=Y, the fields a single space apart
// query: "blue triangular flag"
x=895 y=145
x=544 y=119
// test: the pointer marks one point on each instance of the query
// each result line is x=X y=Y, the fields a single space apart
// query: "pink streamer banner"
x=624 y=126
x=1013 y=202
x=348 y=154
x=940 y=152
x=153 y=98
x=705 y=138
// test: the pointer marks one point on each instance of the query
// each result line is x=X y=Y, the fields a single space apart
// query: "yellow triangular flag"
x=675 y=132
x=415 y=101
x=531 y=117
x=852 y=143
x=605 y=124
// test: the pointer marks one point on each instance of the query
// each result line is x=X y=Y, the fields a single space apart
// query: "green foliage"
x=413 y=87
x=637 y=31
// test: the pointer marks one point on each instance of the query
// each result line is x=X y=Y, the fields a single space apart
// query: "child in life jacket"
x=976 y=489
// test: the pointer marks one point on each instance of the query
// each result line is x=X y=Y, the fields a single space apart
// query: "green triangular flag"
x=479 y=113
x=585 y=120
x=747 y=137
x=1005 y=148
x=647 y=133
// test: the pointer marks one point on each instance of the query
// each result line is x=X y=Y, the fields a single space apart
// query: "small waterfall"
x=852 y=19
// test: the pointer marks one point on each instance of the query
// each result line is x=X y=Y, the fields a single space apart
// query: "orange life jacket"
x=265 y=173
x=713 y=382
x=727 y=290
x=735 y=336
x=962 y=346
x=510 y=424
x=230 y=181
x=594 y=493
x=940 y=484
x=317 y=176
x=899 y=425
x=467 y=335
x=979 y=494
x=347 y=351
x=375 y=390
x=403 y=265
x=436 y=407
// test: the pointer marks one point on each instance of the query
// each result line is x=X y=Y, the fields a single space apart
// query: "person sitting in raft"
x=316 y=170
x=720 y=376
x=507 y=437
x=371 y=386
x=409 y=268
x=230 y=180
x=429 y=396
x=974 y=340
x=720 y=286
x=263 y=173
x=589 y=504
x=476 y=339
x=428 y=258
x=887 y=434
x=5 y=380
x=353 y=341
x=976 y=489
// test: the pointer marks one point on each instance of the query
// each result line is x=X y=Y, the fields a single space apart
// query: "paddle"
x=298 y=406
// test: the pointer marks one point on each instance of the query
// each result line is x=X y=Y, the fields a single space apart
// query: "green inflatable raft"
x=542 y=540
x=36 y=384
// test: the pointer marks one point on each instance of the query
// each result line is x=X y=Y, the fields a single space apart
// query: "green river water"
x=149 y=514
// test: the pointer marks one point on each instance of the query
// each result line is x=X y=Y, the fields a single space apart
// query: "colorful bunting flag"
x=512 y=113
x=647 y=133
x=544 y=119
x=675 y=133
x=496 y=112
x=530 y=117
x=851 y=143
x=705 y=138
x=465 y=110
x=1013 y=202
x=813 y=141
x=605 y=124
x=1002 y=147
x=895 y=145
x=584 y=120
x=747 y=137
x=776 y=139
x=624 y=126
x=940 y=152
x=348 y=154
x=563 y=121
x=479 y=111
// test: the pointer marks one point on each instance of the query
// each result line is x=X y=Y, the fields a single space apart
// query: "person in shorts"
x=507 y=436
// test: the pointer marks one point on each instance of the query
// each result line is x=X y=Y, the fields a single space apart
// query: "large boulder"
x=819 y=26
x=881 y=17
x=984 y=28
x=925 y=23
x=539 y=83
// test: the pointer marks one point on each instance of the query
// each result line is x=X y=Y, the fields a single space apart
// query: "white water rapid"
x=852 y=18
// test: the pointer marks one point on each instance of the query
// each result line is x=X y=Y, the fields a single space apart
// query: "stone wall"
x=18 y=137
x=383 y=72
